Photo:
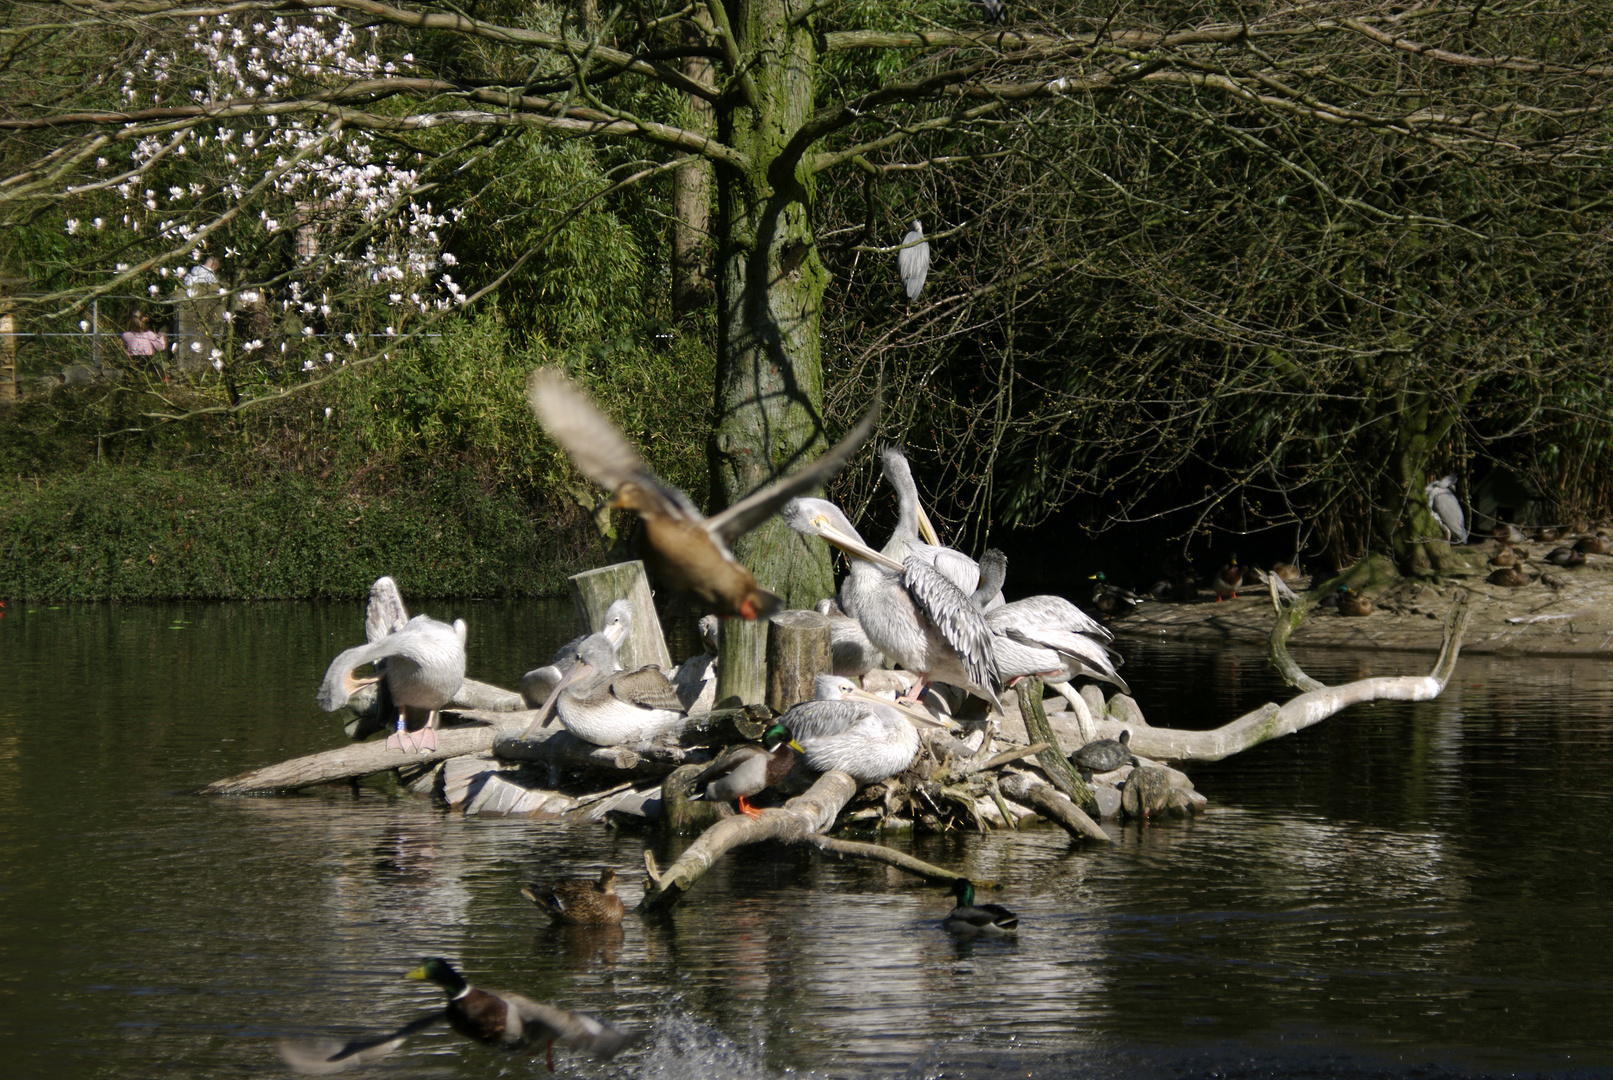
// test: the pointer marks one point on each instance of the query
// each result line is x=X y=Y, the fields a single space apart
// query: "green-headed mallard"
x=1226 y=580
x=580 y=901
x=500 y=1020
x=1594 y=545
x=1566 y=556
x=748 y=770
x=1353 y=603
x=969 y=919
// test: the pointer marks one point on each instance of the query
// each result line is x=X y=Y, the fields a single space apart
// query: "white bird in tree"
x=1446 y=508
x=913 y=261
x=419 y=664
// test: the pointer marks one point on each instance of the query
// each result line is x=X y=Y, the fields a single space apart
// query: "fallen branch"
x=1051 y=804
x=353 y=761
x=1052 y=760
x=1273 y=721
x=802 y=817
x=879 y=853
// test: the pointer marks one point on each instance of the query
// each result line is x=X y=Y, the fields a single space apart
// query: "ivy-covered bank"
x=123 y=533
x=427 y=466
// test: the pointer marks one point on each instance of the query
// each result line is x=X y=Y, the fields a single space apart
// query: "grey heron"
x=913 y=261
x=1447 y=508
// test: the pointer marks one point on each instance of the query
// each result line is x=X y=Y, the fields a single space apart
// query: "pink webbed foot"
x=425 y=740
x=400 y=740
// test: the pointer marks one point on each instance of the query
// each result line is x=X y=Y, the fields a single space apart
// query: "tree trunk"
x=691 y=206
x=770 y=296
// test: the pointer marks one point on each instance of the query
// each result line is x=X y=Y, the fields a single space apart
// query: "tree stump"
x=594 y=591
x=798 y=651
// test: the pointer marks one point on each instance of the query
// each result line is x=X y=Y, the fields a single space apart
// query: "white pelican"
x=420 y=665
x=1447 y=508
x=913 y=261
x=685 y=549
x=909 y=610
x=609 y=707
x=914 y=535
x=849 y=729
x=539 y=683
x=851 y=653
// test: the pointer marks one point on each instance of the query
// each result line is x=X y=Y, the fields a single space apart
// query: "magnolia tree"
x=303 y=142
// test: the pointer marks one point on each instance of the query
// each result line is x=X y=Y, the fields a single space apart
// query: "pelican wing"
x=950 y=563
x=575 y=1029
x=317 y=1057
x=959 y=621
x=648 y=688
x=386 y=613
x=764 y=502
x=596 y=446
x=1046 y=611
x=817 y=719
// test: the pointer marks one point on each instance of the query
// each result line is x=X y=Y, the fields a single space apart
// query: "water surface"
x=1405 y=890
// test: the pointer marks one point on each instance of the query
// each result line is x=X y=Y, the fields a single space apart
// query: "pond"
x=1404 y=890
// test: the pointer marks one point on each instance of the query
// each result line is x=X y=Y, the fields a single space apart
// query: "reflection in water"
x=1402 y=885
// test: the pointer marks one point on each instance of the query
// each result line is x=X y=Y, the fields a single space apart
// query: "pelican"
x=914 y=535
x=849 y=729
x=686 y=550
x=852 y=654
x=1446 y=508
x=909 y=611
x=608 y=707
x=420 y=665
x=913 y=261
x=539 y=683
x=696 y=678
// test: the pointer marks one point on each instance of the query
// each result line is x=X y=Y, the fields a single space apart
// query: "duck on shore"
x=1226 y=581
x=1353 y=603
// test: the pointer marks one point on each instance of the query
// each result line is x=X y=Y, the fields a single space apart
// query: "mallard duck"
x=1285 y=571
x=1547 y=533
x=1226 y=580
x=1594 y=545
x=420 y=664
x=685 y=549
x=1511 y=577
x=493 y=1018
x=748 y=770
x=1103 y=755
x=1507 y=533
x=580 y=901
x=1507 y=555
x=1352 y=602
x=1111 y=599
x=1565 y=556
x=969 y=919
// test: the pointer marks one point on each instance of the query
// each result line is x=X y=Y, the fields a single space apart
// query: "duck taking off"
x=420 y=664
x=913 y=261
x=493 y=1018
x=910 y=611
x=685 y=549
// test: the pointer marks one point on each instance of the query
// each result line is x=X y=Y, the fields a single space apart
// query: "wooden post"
x=798 y=651
x=741 y=664
x=593 y=592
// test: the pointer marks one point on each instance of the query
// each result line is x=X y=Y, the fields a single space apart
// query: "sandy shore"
x=1564 y=612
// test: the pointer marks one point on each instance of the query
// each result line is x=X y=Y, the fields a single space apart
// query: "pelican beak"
x=926 y=530
x=852 y=546
x=545 y=711
x=918 y=716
